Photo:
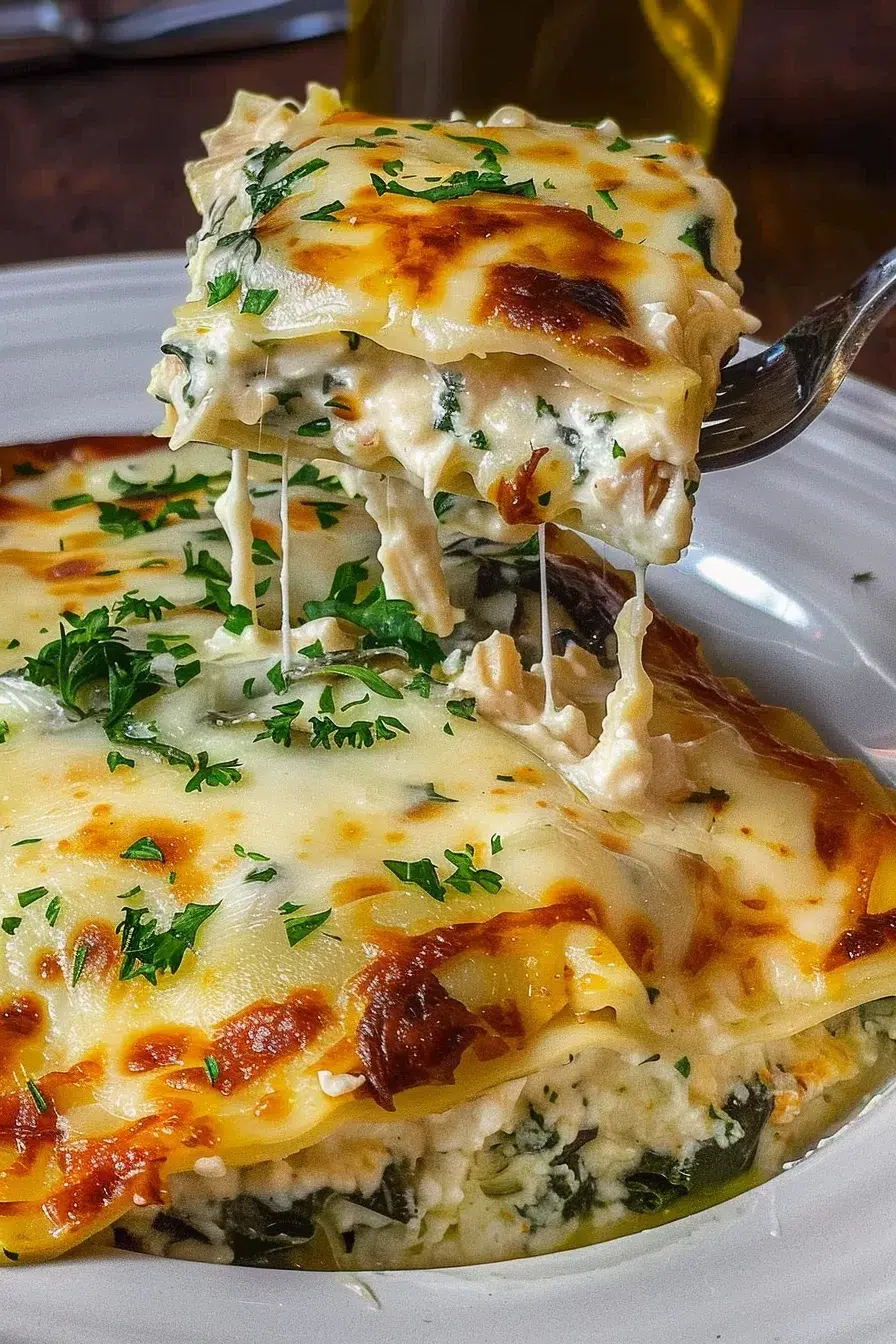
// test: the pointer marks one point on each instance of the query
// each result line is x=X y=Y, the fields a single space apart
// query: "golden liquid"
x=655 y=66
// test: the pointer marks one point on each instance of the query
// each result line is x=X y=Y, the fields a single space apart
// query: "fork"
x=765 y=401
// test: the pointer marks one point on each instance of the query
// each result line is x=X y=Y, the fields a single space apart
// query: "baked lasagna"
x=383 y=882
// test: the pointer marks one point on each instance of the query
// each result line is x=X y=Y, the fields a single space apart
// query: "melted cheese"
x=571 y=386
x=745 y=903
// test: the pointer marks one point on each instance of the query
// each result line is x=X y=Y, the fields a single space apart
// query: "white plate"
x=806 y=1259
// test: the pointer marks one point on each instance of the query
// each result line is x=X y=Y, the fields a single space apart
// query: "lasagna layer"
x=528 y=313
x=246 y=909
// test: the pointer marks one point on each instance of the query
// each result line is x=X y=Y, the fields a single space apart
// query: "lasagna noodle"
x=758 y=906
x=549 y=291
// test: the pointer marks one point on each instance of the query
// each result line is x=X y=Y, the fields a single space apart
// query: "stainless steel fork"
x=765 y=401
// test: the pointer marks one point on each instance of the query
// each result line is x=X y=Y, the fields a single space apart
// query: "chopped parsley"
x=213 y=1072
x=263 y=552
x=145 y=850
x=221 y=287
x=148 y=951
x=457 y=185
x=37 y=1096
x=217 y=591
x=683 y=1066
x=479 y=440
x=10 y=923
x=442 y=503
x=464 y=708
x=497 y=844
x=314 y=429
x=261 y=875
x=423 y=873
x=26 y=898
x=169 y=485
x=51 y=914
x=258 y=301
x=71 y=502
x=297 y=926
x=608 y=200
x=213 y=775
x=360 y=734
x=253 y=854
x=328 y=511
x=78 y=964
x=326 y=213
x=393 y=167
x=309 y=474
x=418 y=873
x=279 y=727
x=618 y=450
x=421 y=683
x=388 y=621
x=141 y=608
x=114 y=759
x=698 y=236
x=619 y=144
x=265 y=197
x=4 y=731
x=448 y=401
x=864 y=576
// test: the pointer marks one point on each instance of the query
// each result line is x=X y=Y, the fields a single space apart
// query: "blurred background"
x=101 y=102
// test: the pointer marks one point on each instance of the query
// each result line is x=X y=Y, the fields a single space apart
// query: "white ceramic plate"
x=767 y=582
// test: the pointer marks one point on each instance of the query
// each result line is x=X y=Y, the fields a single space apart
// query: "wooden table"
x=807 y=145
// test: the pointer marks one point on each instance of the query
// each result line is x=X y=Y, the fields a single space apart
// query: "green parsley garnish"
x=388 y=621
x=215 y=775
x=71 y=502
x=442 y=503
x=258 y=301
x=26 y=898
x=457 y=185
x=10 y=923
x=361 y=733
x=51 y=913
x=141 y=608
x=618 y=450
x=314 y=429
x=698 y=236
x=78 y=964
x=279 y=727
x=114 y=759
x=211 y=1068
x=683 y=1066
x=148 y=951
x=252 y=854
x=464 y=708
x=221 y=287
x=422 y=873
x=497 y=844
x=393 y=167
x=263 y=552
x=309 y=474
x=145 y=850
x=619 y=144
x=298 y=927
x=4 y=731
x=608 y=200
x=326 y=213
x=37 y=1096
x=261 y=875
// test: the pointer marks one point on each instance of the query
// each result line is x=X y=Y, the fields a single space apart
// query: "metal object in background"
x=765 y=401
x=58 y=31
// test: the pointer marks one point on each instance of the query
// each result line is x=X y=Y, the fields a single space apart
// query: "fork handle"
x=855 y=313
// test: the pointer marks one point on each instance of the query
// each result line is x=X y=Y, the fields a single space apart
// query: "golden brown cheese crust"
x=777 y=897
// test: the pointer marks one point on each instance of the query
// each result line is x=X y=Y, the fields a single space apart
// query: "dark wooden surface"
x=807 y=145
